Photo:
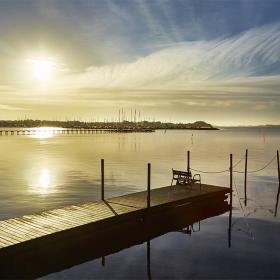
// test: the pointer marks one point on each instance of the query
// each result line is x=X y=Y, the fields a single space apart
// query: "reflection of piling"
x=103 y=261
x=230 y=203
x=149 y=274
x=245 y=178
x=149 y=186
x=102 y=179
x=277 y=197
x=188 y=166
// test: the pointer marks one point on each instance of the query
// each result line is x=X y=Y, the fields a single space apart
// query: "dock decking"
x=30 y=227
x=35 y=245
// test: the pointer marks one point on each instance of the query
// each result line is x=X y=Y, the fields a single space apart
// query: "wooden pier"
x=104 y=226
x=66 y=131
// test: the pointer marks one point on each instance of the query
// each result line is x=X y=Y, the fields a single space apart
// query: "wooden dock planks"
x=48 y=223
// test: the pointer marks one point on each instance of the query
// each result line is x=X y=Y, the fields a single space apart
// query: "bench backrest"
x=178 y=173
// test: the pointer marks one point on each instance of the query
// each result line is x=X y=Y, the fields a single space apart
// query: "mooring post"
x=188 y=166
x=230 y=179
x=230 y=203
x=102 y=179
x=277 y=197
x=149 y=186
x=245 y=178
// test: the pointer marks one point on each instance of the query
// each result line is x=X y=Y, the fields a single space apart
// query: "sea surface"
x=47 y=170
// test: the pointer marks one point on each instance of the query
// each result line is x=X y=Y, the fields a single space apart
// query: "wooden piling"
x=149 y=186
x=277 y=197
x=102 y=179
x=230 y=204
x=188 y=166
x=245 y=178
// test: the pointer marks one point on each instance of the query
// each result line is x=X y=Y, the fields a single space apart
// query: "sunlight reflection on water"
x=41 y=173
x=43 y=132
x=42 y=181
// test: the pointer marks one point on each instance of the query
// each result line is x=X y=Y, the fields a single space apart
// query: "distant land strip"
x=198 y=125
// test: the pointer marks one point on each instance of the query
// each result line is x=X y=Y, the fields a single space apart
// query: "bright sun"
x=42 y=69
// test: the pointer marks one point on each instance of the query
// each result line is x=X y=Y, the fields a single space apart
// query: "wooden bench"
x=185 y=177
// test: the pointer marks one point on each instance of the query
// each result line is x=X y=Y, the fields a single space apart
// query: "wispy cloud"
x=11 y=108
x=255 y=53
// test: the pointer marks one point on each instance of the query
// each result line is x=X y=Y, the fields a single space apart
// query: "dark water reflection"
x=201 y=255
x=41 y=258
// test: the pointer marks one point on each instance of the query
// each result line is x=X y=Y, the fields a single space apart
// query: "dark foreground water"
x=46 y=171
x=201 y=255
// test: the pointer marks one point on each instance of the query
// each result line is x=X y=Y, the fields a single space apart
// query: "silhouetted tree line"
x=102 y=125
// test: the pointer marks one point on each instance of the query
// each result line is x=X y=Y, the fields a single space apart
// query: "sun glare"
x=43 y=132
x=42 y=69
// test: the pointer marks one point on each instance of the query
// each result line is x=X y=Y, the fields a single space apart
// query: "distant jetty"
x=117 y=126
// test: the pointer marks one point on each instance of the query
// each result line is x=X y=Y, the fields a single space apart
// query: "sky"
x=173 y=60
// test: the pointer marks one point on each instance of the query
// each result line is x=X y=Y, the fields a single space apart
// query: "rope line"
x=214 y=172
x=235 y=171
x=258 y=170
x=221 y=171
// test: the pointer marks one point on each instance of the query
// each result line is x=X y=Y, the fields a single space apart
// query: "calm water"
x=46 y=171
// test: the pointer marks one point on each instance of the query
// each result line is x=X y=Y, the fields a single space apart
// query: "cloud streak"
x=10 y=108
x=254 y=53
x=171 y=61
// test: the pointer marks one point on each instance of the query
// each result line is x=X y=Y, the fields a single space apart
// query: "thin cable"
x=216 y=172
x=212 y=172
x=258 y=170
